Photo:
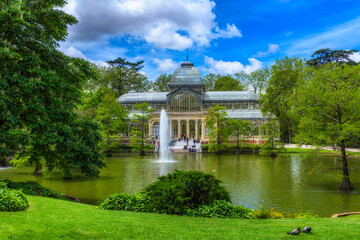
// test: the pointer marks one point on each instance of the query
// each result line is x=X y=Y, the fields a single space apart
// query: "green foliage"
x=327 y=103
x=112 y=116
x=231 y=148
x=179 y=191
x=138 y=202
x=228 y=83
x=220 y=209
x=217 y=123
x=122 y=77
x=286 y=74
x=139 y=126
x=34 y=188
x=209 y=81
x=3 y=185
x=258 y=79
x=324 y=56
x=41 y=87
x=161 y=83
x=237 y=128
x=271 y=132
x=12 y=200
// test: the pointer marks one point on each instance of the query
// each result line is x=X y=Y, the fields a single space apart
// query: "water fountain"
x=165 y=155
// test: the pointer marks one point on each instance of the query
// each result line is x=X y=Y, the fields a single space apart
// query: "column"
x=203 y=130
x=196 y=128
x=150 y=128
x=170 y=129
x=188 y=128
x=179 y=128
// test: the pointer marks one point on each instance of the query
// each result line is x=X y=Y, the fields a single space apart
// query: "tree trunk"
x=345 y=184
x=38 y=170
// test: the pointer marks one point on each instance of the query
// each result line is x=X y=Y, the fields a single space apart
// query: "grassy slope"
x=54 y=219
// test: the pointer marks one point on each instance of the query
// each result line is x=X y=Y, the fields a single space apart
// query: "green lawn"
x=57 y=219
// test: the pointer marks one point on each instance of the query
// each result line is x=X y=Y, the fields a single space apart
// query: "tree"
x=238 y=127
x=257 y=79
x=138 y=127
x=270 y=132
x=161 y=83
x=209 y=81
x=328 y=106
x=324 y=56
x=113 y=119
x=217 y=122
x=123 y=76
x=228 y=83
x=40 y=88
x=285 y=75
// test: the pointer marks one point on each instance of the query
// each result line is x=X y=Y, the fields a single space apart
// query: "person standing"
x=187 y=141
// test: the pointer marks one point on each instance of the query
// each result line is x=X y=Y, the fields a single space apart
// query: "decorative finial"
x=187 y=55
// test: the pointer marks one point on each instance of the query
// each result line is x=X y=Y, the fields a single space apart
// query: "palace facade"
x=187 y=104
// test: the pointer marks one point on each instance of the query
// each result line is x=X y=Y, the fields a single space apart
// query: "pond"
x=285 y=183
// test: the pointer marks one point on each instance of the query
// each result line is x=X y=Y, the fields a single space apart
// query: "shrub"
x=220 y=209
x=3 y=185
x=34 y=188
x=243 y=147
x=12 y=200
x=138 y=202
x=180 y=191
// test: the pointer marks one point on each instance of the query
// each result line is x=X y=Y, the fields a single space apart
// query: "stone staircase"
x=179 y=147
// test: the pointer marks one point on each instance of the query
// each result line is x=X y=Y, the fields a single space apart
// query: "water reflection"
x=286 y=183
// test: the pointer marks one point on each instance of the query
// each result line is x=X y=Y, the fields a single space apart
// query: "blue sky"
x=222 y=37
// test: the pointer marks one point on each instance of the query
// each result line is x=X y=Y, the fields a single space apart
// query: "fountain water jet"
x=164 y=138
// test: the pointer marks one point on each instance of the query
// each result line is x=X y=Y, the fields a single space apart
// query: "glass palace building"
x=188 y=102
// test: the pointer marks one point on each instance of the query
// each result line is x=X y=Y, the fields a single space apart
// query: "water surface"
x=285 y=183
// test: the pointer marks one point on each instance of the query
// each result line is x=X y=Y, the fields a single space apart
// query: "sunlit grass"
x=54 y=219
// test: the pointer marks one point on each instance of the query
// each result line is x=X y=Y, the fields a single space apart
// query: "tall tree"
x=216 y=121
x=328 y=106
x=228 y=83
x=285 y=75
x=257 y=80
x=139 y=122
x=113 y=119
x=123 y=76
x=323 y=56
x=270 y=132
x=237 y=128
x=209 y=81
x=40 y=88
x=161 y=83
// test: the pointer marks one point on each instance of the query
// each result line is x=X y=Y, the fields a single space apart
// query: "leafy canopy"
x=41 y=87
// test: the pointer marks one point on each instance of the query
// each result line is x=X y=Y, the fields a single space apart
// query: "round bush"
x=221 y=209
x=180 y=191
x=12 y=200
x=138 y=202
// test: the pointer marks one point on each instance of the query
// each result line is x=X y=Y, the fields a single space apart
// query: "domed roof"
x=186 y=74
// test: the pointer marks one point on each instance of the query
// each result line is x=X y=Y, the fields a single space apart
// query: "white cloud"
x=339 y=37
x=355 y=57
x=223 y=67
x=273 y=48
x=74 y=52
x=176 y=25
x=165 y=65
